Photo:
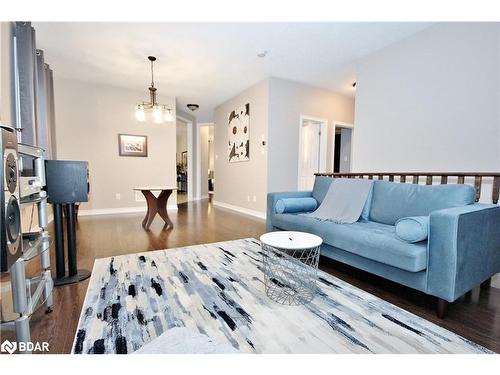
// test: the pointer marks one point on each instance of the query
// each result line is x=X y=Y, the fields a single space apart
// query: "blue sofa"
x=461 y=252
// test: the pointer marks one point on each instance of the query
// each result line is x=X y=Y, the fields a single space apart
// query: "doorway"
x=184 y=159
x=312 y=150
x=342 y=147
x=207 y=160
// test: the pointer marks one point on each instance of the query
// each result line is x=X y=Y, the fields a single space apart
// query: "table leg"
x=152 y=209
x=162 y=207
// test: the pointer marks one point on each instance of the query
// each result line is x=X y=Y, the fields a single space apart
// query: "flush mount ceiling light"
x=262 y=54
x=193 y=107
x=159 y=111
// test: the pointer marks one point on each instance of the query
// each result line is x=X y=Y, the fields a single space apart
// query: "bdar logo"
x=8 y=347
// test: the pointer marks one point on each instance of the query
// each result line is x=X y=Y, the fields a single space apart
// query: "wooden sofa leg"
x=486 y=284
x=442 y=307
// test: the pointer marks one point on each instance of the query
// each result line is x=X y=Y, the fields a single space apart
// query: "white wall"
x=287 y=102
x=89 y=118
x=275 y=109
x=235 y=182
x=431 y=102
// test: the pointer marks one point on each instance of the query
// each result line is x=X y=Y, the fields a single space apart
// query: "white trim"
x=204 y=197
x=197 y=166
x=341 y=124
x=198 y=159
x=323 y=140
x=190 y=148
x=116 y=211
x=242 y=210
x=345 y=125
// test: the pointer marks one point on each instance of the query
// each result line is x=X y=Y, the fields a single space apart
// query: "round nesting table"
x=290 y=266
x=156 y=205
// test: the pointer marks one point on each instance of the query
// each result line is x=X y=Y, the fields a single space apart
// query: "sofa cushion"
x=413 y=229
x=365 y=214
x=392 y=201
x=320 y=188
x=291 y=205
x=368 y=239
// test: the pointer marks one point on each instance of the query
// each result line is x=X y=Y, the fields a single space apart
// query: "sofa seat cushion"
x=368 y=239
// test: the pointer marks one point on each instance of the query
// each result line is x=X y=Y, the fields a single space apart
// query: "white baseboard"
x=204 y=197
x=116 y=211
x=242 y=210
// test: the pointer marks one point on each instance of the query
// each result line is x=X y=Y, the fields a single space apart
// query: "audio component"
x=29 y=186
x=67 y=181
x=67 y=184
x=10 y=213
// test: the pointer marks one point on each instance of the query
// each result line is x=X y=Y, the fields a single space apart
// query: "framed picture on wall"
x=238 y=130
x=133 y=145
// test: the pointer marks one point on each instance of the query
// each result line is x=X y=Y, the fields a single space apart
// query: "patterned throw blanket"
x=344 y=201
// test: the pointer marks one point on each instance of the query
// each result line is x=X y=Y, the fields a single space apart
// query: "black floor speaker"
x=67 y=181
x=67 y=184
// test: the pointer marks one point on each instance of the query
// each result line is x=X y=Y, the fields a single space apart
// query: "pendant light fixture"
x=160 y=112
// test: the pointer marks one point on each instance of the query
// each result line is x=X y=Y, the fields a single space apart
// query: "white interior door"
x=312 y=158
x=345 y=150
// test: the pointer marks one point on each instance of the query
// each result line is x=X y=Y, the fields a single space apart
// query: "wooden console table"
x=156 y=205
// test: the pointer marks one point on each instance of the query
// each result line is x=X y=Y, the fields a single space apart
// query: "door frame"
x=198 y=146
x=190 y=148
x=324 y=142
x=345 y=125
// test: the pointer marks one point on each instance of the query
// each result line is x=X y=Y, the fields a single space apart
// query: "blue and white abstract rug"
x=211 y=299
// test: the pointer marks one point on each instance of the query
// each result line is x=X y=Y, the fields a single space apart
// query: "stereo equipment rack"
x=29 y=294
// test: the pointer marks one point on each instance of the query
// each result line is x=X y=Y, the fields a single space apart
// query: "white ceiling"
x=207 y=63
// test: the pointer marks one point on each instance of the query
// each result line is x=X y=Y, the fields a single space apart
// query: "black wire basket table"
x=290 y=269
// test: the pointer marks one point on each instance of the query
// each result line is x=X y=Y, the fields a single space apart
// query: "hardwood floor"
x=475 y=316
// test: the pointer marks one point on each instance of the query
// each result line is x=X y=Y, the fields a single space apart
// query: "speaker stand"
x=80 y=276
x=75 y=275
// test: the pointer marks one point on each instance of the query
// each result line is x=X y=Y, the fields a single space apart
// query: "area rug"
x=215 y=293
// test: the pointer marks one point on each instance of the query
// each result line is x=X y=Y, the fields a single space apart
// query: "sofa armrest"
x=272 y=198
x=463 y=249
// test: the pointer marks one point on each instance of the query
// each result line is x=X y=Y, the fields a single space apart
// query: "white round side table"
x=290 y=266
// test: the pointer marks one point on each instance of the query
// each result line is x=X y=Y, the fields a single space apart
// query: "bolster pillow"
x=291 y=205
x=413 y=229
